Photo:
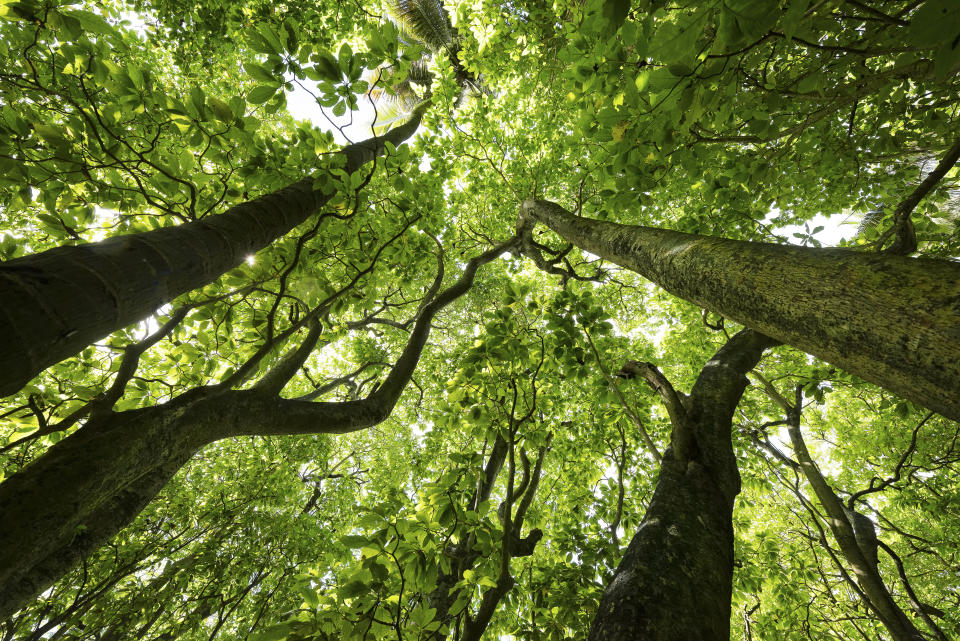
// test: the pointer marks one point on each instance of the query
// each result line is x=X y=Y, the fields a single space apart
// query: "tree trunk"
x=844 y=524
x=92 y=484
x=892 y=320
x=89 y=486
x=57 y=302
x=674 y=582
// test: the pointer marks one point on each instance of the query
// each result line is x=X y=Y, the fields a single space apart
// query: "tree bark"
x=674 y=582
x=86 y=488
x=57 y=302
x=892 y=320
x=843 y=524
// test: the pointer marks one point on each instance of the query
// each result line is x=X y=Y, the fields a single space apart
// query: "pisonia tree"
x=365 y=407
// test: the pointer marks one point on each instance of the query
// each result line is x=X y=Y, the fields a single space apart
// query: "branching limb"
x=922 y=609
x=281 y=373
x=527 y=498
x=627 y=407
x=535 y=251
x=103 y=403
x=905 y=238
x=260 y=411
x=682 y=439
x=346 y=379
x=244 y=371
x=844 y=525
x=475 y=626
x=490 y=471
x=774 y=394
x=524 y=479
x=877 y=485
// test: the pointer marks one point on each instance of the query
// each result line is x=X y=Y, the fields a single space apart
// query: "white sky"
x=350 y=127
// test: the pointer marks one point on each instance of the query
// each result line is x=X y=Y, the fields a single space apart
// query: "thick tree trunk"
x=92 y=484
x=674 y=582
x=89 y=486
x=57 y=302
x=860 y=554
x=84 y=490
x=892 y=320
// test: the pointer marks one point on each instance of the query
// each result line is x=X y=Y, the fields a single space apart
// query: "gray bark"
x=674 y=582
x=892 y=320
x=57 y=302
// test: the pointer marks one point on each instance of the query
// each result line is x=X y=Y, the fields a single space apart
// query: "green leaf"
x=91 y=22
x=947 y=61
x=258 y=43
x=354 y=540
x=379 y=571
x=935 y=22
x=197 y=99
x=221 y=110
x=676 y=41
x=327 y=66
x=271 y=38
x=276 y=632
x=259 y=72
x=344 y=56
x=793 y=17
x=309 y=596
x=353 y=589
x=615 y=12
x=261 y=93
x=135 y=75
x=746 y=21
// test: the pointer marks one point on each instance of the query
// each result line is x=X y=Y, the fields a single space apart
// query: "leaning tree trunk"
x=856 y=536
x=674 y=582
x=57 y=302
x=86 y=488
x=92 y=484
x=892 y=320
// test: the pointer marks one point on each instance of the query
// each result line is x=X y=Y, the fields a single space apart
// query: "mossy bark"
x=84 y=489
x=57 y=302
x=892 y=320
x=863 y=560
x=674 y=582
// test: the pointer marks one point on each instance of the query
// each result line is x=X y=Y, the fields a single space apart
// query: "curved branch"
x=905 y=241
x=268 y=414
x=683 y=439
x=276 y=379
x=843 y=526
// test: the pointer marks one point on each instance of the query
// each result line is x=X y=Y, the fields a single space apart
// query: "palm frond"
x=425 y=20
x=420 y=73
x=384 y=86
x=394 y=101
x=870 y=219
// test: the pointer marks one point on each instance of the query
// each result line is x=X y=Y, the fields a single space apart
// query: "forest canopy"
x=544 y=320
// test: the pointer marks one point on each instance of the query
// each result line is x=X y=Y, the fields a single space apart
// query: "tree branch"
x=905 y=241
x=682 y=438
x=264 y=414
x=276 y=379
x=852 y=545
x=628 y=408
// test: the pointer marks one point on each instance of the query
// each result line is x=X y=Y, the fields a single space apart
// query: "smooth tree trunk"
x=674 y=582
x=892 y=320
x=83 y=490
x=57 y=302
x=857 y=538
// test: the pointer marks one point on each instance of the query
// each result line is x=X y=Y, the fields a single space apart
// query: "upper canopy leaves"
x=741 y=118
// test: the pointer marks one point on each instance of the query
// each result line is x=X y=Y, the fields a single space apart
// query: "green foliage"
x=740 y=118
